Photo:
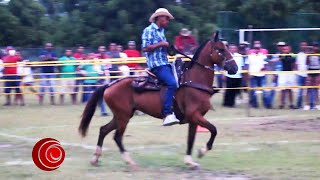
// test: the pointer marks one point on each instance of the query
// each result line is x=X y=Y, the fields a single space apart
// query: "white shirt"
x=1 y=67
x=239 y=61
x=301 y=61
x=256 y=62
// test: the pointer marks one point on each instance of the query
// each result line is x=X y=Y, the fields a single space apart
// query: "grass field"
x=276 y=144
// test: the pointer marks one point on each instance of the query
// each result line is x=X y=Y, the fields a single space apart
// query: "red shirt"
x=185 y=43
x=11 y=69
x=132 y=53
x=79 y=56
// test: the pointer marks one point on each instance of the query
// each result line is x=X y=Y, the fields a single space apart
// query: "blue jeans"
x=301 y=81
x=48 y=83
x=257 y=81
x=269 y=95
x=312 y=97
x=220 y=80
x=88 y=89
x=164 y=74
x=13 y=83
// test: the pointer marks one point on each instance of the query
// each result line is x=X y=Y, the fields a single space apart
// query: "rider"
x=155 y=46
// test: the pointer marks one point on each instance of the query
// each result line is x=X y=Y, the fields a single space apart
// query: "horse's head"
x=221 y=56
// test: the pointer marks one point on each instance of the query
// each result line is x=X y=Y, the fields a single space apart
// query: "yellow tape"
x=122 y=60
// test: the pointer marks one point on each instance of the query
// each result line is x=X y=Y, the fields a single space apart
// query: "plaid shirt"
x=153 y=35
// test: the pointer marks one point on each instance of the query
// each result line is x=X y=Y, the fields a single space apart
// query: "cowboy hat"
x=185 y=32
x=281 y=43
x=160 y=12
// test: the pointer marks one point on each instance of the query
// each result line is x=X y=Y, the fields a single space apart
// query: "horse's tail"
x=90 y=109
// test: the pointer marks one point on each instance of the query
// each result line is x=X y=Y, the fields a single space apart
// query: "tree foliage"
x=96 y=22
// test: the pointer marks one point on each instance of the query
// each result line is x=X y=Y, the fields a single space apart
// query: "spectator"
x=125 y=71
x=132 y=52
x=233 y=81
x=27 y=75
x=301 y=63
x=219 y=76
x=113 y=53
x=11 y=78
x=256 y=63
x=288 y=64
x=244 y=50
x=274 y=64
x=92 y=71
x=313 y=63
x=47 y=73
x=257 y=44
x=79 y=55
x=185 y=42
x=1 y=68
x=67 y=76
x=103 y=55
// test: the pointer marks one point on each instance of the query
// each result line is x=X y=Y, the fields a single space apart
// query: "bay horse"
x=192 y=99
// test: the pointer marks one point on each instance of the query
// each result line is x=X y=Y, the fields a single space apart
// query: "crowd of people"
x=255 y=60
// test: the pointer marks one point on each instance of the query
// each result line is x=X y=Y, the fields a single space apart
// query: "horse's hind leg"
x=118 y=136
x=104 y=131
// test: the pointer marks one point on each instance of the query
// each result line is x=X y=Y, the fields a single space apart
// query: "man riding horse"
x=155 y=46
x=192 y=99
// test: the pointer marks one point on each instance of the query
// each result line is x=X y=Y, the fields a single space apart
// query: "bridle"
x=220 y=52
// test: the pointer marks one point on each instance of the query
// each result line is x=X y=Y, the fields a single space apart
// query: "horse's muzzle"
x=231 y=67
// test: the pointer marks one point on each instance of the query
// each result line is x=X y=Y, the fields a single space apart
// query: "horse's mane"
x=198 y=51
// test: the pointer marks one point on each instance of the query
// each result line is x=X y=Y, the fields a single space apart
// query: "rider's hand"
x=164 y=44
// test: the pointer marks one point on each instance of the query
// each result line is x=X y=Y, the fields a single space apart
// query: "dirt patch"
x=308 y=125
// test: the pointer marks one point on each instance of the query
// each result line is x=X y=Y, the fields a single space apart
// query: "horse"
x=192 y=98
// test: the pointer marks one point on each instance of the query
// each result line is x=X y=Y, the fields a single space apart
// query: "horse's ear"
x=216 y=36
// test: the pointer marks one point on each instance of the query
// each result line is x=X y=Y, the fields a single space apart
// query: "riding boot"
x=61 y=99
x=40 y=100
x=8 y=101
x=52 y=100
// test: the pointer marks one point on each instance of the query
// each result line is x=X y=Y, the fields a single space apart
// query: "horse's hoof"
x=134 y=167
x=200 y=153
x=194 y=167
x=94 y=163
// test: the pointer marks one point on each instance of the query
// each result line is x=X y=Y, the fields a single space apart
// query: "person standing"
x=301 y=63
x=185 y=42
x=67 y=70
x=233 y=81
x=154 y=44
x=313 y=63
x=105 y=67
x=287 y=79
x=132 y=52
x=256 y=64
x=92 y=71
x=79 y=55
x=10 y=75
x=47 y=73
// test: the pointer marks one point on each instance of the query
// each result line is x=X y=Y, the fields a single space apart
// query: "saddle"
x=152 y=83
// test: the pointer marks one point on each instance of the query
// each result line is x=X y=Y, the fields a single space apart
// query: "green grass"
x=244 y=148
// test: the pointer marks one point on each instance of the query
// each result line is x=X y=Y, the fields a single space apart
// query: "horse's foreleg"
x=213 y=130
x=191 y=136
x=104 y=130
